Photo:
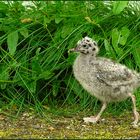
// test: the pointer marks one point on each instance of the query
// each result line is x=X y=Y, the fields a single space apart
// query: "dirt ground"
x=29 y=125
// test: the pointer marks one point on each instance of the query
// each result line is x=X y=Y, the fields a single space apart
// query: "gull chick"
x=103 y=78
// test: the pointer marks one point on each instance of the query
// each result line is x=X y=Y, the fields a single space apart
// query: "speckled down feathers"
x=105 y=79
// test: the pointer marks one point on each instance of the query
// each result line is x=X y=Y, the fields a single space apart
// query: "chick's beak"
x=73 y=50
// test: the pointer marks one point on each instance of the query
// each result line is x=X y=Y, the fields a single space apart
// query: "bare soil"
x=29 y=125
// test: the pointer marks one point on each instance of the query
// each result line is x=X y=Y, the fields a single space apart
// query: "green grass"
x=35 y=67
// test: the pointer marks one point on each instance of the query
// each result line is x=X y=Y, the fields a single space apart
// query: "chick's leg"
x=136 y=114
x=94 y=119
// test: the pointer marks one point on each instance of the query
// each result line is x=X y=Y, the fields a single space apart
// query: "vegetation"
x=35 y=67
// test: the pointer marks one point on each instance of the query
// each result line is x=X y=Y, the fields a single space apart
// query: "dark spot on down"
x=89 y=45
x=83 y=52
x=93 y=49
x=95 y=44
x=128 y=76
x=117 y=89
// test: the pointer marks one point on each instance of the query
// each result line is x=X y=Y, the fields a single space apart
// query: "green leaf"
x=38 y=51
x=24 y=32
x=118 y=6
x=136 y=54
x=66 y=30
x=115 y=37
x=115 y=41
x=3 y=6
x=56 y=86
x=107 y=46
x=32 y=86
x=46 y=20
x=36 y=67
x=4 y=75
x=109 y=49
x=125 y=32
x=25 y=80
x=58 y=20
x=21 y=78
x=46 y=75
x=12 y=40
